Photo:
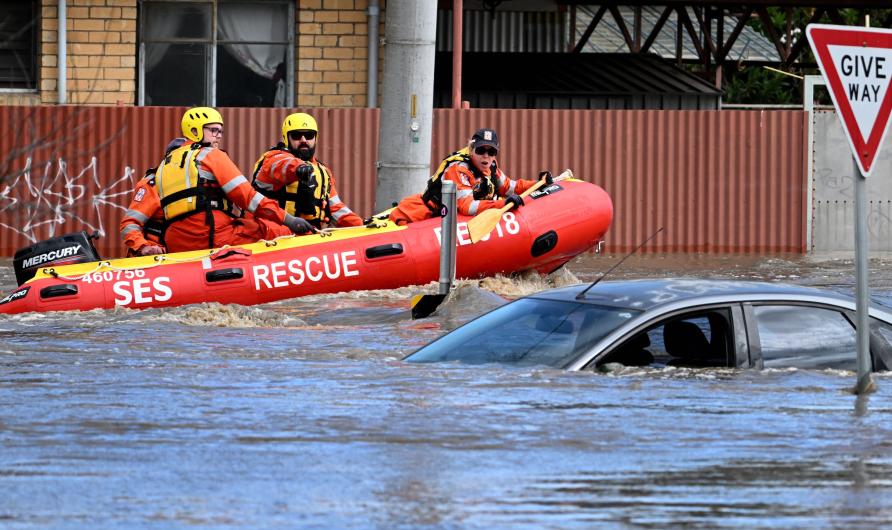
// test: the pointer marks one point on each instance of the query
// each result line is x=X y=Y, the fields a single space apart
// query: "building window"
x=218 y=53
x=18 y=45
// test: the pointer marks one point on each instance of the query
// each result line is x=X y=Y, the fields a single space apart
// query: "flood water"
x=300 y=414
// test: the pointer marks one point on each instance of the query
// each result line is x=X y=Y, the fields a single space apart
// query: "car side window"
x=881 y=344
x=805 y=337
x=695 y=340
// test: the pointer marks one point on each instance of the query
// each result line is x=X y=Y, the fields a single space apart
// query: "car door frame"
x=756 y=342
x=737 y=339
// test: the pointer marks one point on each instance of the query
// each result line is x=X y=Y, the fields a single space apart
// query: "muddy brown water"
x=300 y=414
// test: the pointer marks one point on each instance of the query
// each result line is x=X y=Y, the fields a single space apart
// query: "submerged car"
x=670 y=322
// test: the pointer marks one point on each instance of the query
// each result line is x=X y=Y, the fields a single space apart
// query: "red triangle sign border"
x=821 y=37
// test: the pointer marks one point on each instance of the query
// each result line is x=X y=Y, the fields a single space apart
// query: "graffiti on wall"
x=47 y=196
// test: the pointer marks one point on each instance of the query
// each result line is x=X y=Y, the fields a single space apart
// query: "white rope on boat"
x=275 y=241
x=159 y=260
x=52 y=272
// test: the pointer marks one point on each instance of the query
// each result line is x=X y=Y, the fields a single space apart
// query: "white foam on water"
x=227 y=315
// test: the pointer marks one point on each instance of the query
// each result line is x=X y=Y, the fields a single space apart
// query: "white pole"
x=865 y=383
x=372 y=89
x=62 y=59
x=862 y=301
x=808 y=103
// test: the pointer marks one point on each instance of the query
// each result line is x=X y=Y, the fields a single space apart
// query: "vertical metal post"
x=141 y=75
x=457 y=48
x=808 y=103
x=447 y=238
x=62 y=54
x=864 y=384
x=290 y=66
x=212 y=74
x=424 y=305
x=374 y=25
x=571 y=33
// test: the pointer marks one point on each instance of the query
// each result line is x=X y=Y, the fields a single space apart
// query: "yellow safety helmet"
x=196 y=118
x=299 y=121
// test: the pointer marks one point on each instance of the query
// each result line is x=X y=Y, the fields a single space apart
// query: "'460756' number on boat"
x=110 y=276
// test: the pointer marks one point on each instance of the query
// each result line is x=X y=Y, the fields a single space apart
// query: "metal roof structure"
x=750 y=45
x=706 y=34
x=504 y=31
x=574 y=81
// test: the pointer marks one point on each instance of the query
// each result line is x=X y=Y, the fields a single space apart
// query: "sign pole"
x=856 y=64
x=865 y=382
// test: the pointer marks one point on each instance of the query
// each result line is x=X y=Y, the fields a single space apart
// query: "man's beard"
x=304 y=152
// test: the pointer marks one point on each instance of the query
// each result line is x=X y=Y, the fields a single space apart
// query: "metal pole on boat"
x=865 y=383
x=447 y=238
x=423 y=305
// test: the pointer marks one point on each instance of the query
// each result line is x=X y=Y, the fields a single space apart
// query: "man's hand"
x=514 y=199
x=149 y=250
x=304 y=172
x=545 y=174
x=376 y=223
x=298 y=225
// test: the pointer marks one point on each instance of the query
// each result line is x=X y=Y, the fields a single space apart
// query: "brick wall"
x=332 y=53
x=101 y=52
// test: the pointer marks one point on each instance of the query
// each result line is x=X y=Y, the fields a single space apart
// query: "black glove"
x=514 y=199
x=547 y=176
x=374 y=222
x=304 y=172
x=298 y=225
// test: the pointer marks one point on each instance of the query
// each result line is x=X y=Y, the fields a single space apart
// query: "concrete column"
x=407 y=94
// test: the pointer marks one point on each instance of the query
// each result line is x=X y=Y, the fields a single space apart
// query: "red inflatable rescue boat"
x=557 y=223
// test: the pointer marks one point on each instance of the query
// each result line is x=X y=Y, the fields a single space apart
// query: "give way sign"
x=857 y=65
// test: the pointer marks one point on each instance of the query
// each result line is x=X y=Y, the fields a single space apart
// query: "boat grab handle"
x=381 y=251
x=224 y=274
x=58 y=290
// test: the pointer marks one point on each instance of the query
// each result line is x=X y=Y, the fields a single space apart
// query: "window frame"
x=210 y=88
x=755 y=341
x=36 y=15
x=738 y=341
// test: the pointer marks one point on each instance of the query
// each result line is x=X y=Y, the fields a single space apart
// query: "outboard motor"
x=63 y=250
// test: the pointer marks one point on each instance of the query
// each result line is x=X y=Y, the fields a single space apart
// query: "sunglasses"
x=297 y=135
x=216 y=131
x=483 y=150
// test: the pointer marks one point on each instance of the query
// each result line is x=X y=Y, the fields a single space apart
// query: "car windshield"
x=527 y=332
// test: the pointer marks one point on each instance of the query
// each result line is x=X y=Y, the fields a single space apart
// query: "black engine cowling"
x=63 y=250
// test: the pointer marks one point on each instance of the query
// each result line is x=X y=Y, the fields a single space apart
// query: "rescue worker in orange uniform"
x=143 y=222
x=290 y=173
x=205 y=201
x=480 y=183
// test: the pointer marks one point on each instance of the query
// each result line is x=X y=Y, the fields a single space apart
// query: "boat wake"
x=212 y=314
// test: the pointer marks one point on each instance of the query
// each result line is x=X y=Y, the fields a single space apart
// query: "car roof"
x=649 y=294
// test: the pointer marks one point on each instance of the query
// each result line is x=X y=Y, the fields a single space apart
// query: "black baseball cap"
x=485 y=137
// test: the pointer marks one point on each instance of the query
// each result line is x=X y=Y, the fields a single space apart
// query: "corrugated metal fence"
x=717 y=181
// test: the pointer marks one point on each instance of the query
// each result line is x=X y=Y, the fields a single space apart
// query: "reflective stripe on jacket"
x=317 y=200
x=185 y=187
